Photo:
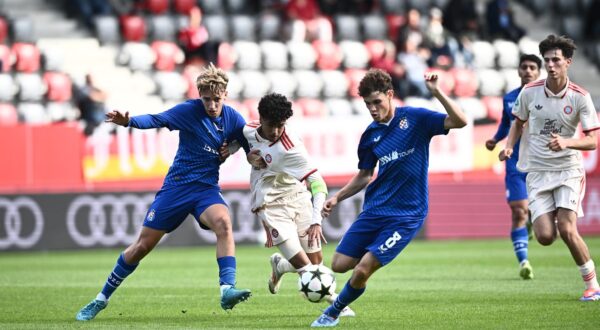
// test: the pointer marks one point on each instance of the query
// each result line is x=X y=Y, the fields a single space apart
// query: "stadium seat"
x=484 y=54
x=6 y=58
x=22 y=30
x=335 y=84
x=338 y=107
x=269 y=27
x=572 y=26
x=492 y=82
x=252 y=106
x=107 y=29
x=421 y=5
x=282 y=82
x=394 y=23
x=374 y=27
x=8 y=115
x=256 y=84
x=528 y=46
x=494 y=107
x=31 y=87
x=133 y=28
x=184 y=6
x=235 y=87
x=211 y=7
x=375 y=49
x=27 y=57
x=168 y=55
x=241 y=7
x=466 y=83
x=355 y=53
x=156 y=7
x=354 y=77
x=33 y=113
x=8 y=87
x=171 y=85
x=309 y=82
x=61 y=111
x=566 y=8
x=243 y=27
x=508 y=53
x=312 y=108
x=227 y=57
x=359 y=108
x=141 y=83
x=190 y=74
x=53 y=58
x=347 y=27
x=472 y=107
x=329 y=55
x=249 y=56
x=3 y=30
x=162 y=27
x=445 y=78
x=240 y=108
x=137 y=56
x=419 y=102
x=396 y=7
x=303 y=55
x=58 y=86
x=274 y=55
x=217 y=26
x=511 y=79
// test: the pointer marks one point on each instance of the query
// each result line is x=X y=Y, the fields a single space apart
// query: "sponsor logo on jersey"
x=550 y=126
x=151 y=214
x=395 y=155
x=568 y=110
x=209 y=149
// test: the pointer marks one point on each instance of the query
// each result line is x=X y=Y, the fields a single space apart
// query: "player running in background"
x=396 y=202
x=514 y=180
x=549 y=153
x=280 y=197
x=190 y=187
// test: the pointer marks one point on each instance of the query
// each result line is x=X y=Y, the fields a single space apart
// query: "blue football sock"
x=520 y=239
x=226 y=270
x=345 y=298
x=118 y=275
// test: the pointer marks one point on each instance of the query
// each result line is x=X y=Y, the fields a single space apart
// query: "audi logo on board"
x=17 y=214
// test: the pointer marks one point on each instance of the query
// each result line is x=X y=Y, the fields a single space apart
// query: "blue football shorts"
x=172 y=205
x=384 y=236
x=516 y=189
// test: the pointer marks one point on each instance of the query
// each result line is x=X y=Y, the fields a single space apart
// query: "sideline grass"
x=431 y=285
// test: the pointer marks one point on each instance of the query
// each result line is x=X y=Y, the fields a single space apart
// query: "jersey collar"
x=558 y=95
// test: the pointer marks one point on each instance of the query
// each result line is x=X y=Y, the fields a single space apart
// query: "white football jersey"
x=548 y=113
x=288 y=166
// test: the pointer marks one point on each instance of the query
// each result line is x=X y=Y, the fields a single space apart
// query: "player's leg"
x=516 y=194
x=542 y=206
x=291 y=259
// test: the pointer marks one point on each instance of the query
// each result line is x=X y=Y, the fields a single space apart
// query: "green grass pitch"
x=431 y=285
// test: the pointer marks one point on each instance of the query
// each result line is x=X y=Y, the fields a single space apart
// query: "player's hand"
x=256 y=160
x=557 y=142
x=490 y=144
x=431 y=81
x=118 y=118
x=328 y=206
x=224 y=152
x=505 y=154
x=315 y=235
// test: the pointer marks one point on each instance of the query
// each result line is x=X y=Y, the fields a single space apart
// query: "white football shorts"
x=549 y=190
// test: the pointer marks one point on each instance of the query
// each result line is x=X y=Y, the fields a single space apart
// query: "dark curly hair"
x=375 y=80
x=563 y=43
x=531 y=58
x=275 y=108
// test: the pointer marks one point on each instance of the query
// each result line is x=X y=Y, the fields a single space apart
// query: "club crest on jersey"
x=568 y=110
x=268 y=158
x=151 y=214
x=274 y=233
x=403 y=123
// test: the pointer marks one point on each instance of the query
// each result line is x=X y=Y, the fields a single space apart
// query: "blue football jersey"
x=507 y=118
x=200 y=137
x=402 y=151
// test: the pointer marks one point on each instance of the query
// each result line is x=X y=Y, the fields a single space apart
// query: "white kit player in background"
x=550 y=153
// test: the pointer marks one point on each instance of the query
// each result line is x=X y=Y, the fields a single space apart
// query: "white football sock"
x=588 y=273
x=284 y=266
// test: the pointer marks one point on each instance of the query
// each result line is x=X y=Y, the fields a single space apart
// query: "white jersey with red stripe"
x=547 y=113
x=288 y=166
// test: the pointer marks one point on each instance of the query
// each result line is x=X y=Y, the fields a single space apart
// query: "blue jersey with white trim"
x=507 y=118
x=402 y=151
x=200 y=137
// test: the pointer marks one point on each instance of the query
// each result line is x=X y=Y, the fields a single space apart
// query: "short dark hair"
x=563 y=43
x=531 y=58
x=275 y=108
x=375 y=80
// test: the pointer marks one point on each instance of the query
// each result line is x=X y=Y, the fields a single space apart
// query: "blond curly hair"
x=212 y=79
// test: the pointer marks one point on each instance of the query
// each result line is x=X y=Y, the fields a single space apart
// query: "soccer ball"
x=316 y=283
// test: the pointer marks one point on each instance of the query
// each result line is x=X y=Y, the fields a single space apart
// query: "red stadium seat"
x=375 y=48
x=466 y=82
x=394 y=22
x=354 y=77
x=240 y=108
x=59 y=86
x=446 y=80
x=227 y=56
x=184 y=6
x=168 y=55
x=157 y=6
x=314 y=108
x=27 y=57
x=329 y=55
x=5 y=58
x=252 y=106
x=3 y=30
x=133 y=28
x=190 y=73
x=8 y=114
x=494 y=107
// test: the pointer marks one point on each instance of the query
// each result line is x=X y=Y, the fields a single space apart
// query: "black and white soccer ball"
x=316 y=283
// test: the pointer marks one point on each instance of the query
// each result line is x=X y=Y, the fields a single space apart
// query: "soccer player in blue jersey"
x=396 y=202
x=514 y=180
x=190 y=187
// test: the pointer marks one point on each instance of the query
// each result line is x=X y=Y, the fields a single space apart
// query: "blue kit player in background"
x=190 y=187
x=396 y=202
x=516 y=190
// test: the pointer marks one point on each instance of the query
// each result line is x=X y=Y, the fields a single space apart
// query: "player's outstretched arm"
x=118 y=118
x=356 y=184
x=516 y=129
x=588 y=142
x=456 y=117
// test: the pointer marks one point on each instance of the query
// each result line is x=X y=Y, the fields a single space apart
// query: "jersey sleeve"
x=173 y=119
x=237 y=133
x=366 y=158
x=587 y=114
x=297 y=163
x=433 y=121
x=520 y=109
x=504 y=125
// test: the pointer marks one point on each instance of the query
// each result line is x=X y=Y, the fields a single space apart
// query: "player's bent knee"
x=221 y=225
x=545 y=239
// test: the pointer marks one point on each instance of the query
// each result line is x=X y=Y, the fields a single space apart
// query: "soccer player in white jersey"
x=550 y=153
x=280 y=196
